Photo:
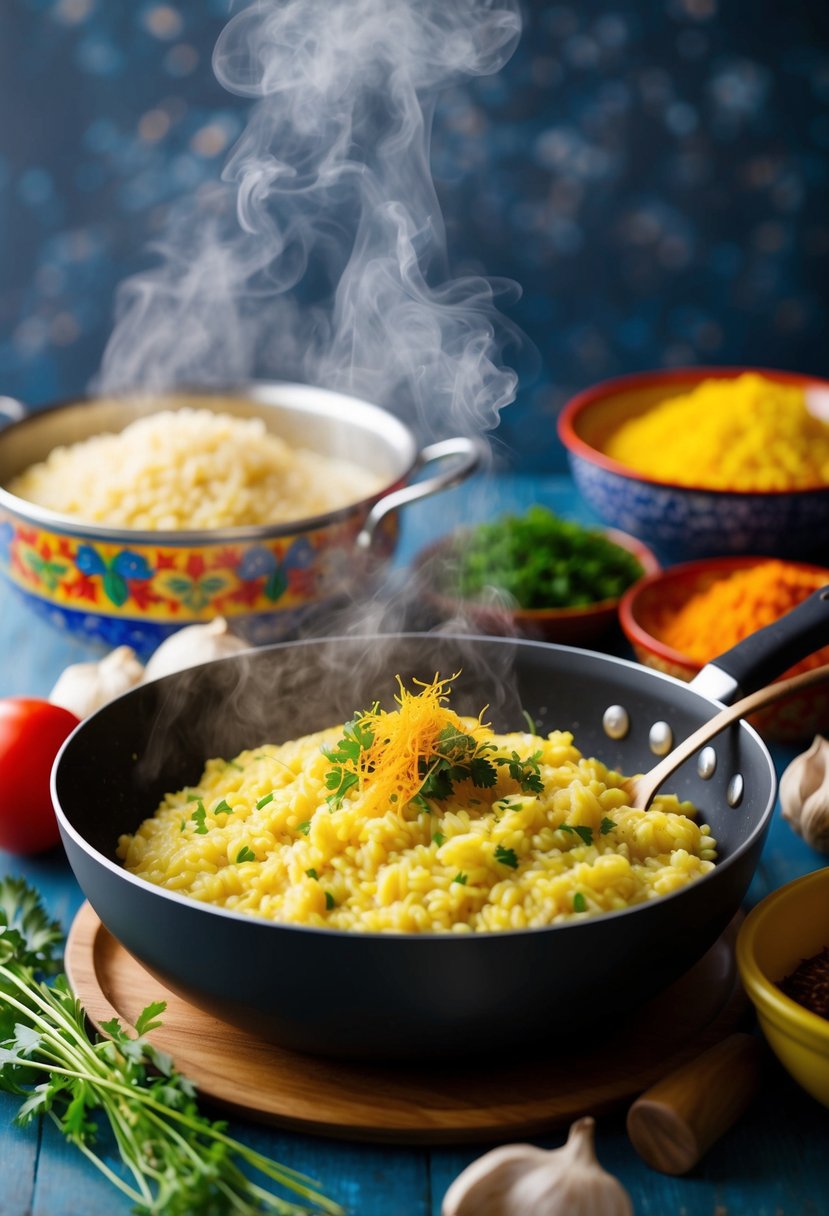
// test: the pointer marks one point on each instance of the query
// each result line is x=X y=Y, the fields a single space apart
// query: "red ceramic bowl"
x=645 y=606
x=681 y=522
x=574 y=626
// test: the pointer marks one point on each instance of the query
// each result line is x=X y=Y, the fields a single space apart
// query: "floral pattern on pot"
x=176 y=583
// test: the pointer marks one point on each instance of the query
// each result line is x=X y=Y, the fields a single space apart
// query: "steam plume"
x=321 y=256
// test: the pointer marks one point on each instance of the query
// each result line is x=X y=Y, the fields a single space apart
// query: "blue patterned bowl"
x=681 y=522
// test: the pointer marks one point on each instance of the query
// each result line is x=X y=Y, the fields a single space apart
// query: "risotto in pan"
x=417 y=820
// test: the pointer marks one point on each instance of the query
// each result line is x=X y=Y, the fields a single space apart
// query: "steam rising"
x=321 y=256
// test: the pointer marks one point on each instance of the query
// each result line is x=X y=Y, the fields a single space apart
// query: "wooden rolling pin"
x=676 y=1121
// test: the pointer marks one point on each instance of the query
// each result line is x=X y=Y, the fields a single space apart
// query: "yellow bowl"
x=787 y=926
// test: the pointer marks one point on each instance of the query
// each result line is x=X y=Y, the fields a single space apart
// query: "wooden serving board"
x=511 y=1094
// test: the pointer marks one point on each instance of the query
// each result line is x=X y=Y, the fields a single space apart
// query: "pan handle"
x=766 y=654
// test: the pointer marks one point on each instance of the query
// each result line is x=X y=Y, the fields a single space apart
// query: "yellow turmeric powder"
x=732 y=607
x=748 y=433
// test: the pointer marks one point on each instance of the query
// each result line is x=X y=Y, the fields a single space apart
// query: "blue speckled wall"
x=654 y=175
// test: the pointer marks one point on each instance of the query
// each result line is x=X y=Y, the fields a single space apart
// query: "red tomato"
x=31 y=733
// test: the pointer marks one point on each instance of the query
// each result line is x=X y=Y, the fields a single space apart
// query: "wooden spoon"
x=643 y=788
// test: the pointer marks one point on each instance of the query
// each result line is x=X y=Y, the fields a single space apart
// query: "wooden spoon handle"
x=678 y=1119
x=643 y=788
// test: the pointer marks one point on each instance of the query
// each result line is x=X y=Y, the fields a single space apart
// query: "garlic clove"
x=483 y=1186
x=191 y=645
x=84 y=687
x=520 y=1180
x=804 y=794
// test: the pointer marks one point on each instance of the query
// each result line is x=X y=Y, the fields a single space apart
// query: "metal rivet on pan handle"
x=734 y=790
x=616 y=722
x=707 y=763
x=660 y=738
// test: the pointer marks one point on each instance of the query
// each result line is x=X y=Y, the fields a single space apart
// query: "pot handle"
x=766 y=654
x=465 y=454
x=11 y=410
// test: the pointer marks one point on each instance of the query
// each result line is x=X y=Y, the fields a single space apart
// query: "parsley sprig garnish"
x=460 y=757
x=455 y=757
x=357 y=738
x=175 y=1160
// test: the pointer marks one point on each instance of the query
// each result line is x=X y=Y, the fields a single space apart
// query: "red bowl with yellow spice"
x=678 y=619
x=724 y=461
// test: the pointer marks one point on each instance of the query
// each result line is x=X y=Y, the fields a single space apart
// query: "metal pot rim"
x=307 y=398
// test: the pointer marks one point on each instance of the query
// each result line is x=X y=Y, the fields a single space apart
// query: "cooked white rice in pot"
x=191 y=469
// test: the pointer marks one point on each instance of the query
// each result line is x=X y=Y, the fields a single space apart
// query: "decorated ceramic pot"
x=120 y=585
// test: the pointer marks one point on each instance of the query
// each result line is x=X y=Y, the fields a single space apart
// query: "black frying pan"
x=390 y=995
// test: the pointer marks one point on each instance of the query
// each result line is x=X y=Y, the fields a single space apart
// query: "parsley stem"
x=142 y=1196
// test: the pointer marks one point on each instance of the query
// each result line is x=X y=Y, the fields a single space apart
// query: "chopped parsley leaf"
x=329 y=901
x=438 y=838
x=304 y=827
x=245 y=854
x=579 y=902
x=525 y=772
x=264 y=801
x=198 y=818
x=507 y=857
x=461 y=879
x=183 y=825
x=224 y=808
x=606 y=825
x=312 y=873
x=579 y=829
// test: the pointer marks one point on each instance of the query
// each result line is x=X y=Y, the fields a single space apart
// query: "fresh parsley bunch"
x=177 y=1162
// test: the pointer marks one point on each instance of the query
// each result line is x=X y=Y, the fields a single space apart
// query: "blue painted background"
x=653 y=174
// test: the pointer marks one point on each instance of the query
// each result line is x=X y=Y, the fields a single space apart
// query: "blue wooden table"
x=775 y=1162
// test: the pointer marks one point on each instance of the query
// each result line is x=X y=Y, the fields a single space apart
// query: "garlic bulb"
x=85 y=687
x=521 y=1180
x=194 y=644
x=804 y=794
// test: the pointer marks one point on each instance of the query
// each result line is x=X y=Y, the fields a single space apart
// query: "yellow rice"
x=400 y=870
x=191 y=469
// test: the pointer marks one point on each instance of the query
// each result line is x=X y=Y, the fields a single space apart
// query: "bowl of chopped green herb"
x=533 y=575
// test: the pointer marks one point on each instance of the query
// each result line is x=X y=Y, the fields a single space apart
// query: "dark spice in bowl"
x=808 y=984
